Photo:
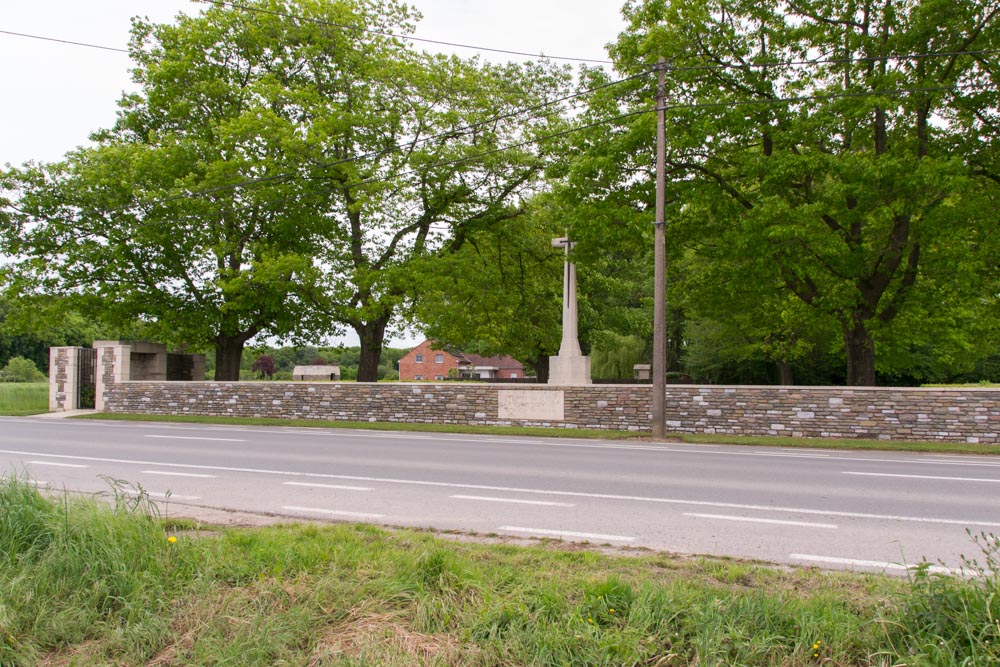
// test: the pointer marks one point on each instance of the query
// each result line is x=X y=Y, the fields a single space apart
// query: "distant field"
x=24 y=398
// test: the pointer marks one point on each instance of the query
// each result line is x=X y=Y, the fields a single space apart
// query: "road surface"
x=833 y=509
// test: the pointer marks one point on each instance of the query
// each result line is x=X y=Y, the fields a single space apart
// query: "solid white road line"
x=567 y=533
x=882 y=565
x=329 y=486
x=191 y=437
x=727 y=517
x=320 y=510
x=177 y=474
x=61 y=465
x=514 y=489
x=514 y=500
x=952 y=479
x=160 y=494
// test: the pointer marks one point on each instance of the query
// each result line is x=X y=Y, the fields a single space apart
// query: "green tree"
x=500 y=292
x=805 y=155
x=274 y=176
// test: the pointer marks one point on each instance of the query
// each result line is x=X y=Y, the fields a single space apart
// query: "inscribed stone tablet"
x=531 y=405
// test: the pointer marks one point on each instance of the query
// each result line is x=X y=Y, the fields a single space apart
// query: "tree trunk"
x=372 y=336
x=228 y=355
x=785 y=376
x=860 y=356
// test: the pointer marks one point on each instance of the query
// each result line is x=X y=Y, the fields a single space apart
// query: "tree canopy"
x=823 y=186
x=275 y=173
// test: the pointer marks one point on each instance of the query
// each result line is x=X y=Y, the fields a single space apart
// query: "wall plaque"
x=531 y=405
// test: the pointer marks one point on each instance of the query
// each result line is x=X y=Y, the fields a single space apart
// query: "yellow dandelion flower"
x=171 y=539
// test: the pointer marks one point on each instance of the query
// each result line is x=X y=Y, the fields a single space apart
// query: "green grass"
x=82 y=583
x=23 y=398
x=813 y=443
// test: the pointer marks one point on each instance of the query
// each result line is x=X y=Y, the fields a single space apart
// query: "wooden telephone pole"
x=660 y=262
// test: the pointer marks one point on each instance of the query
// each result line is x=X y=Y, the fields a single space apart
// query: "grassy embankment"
x=85 y=584
x=23 y=398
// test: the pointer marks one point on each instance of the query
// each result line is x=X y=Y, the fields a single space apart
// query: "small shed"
x=316 y=373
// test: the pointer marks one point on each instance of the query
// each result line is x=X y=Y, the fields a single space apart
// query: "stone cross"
x=570 y=367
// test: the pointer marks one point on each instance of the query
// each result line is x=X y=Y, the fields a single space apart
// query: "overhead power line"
x=64 y=41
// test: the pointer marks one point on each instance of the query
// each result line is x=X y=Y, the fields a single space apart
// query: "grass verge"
x=809 y=443
x=82 y=583
x=23 y=398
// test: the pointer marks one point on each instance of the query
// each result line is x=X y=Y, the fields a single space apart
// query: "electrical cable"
x=64 y=41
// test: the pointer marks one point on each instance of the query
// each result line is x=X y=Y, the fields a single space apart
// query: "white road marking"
x=320 y=510
x=882 y=565
x=953 y=479
x=567 y=533
x=191 y=437
x=727 y=517
x=329 y=486
x=160 y=494
x=37 y=483
x=514 y=500
x=61 y=465
x=514 y=489
x=177 y=474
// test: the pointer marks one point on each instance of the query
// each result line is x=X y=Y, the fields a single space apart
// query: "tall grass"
x=23 y=398
x=82 y=582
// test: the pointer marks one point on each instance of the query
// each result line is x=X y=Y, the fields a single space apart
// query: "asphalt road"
x=833 y=509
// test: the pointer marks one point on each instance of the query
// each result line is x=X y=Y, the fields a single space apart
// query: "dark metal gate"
x=86 y=378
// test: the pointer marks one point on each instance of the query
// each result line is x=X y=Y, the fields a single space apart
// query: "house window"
x=418 y=377
x=438 y=377
x=513 y=375
x=438 y=358
x=419 y=360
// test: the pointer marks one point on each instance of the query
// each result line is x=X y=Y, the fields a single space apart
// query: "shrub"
x=19 y=369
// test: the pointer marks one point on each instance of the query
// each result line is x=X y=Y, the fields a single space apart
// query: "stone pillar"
x=570 y=367
x=64 y=373
x=114 y=365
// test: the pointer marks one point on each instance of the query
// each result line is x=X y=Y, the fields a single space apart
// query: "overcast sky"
x=55 y=95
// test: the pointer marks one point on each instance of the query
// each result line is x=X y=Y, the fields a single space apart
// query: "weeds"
x=96 y=582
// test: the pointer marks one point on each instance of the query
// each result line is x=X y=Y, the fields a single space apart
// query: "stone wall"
x=617 y=407
x=962 y=415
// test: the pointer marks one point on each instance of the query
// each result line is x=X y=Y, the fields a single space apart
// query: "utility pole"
x=660 y=261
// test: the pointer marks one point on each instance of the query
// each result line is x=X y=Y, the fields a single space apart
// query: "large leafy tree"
x=500 y=293
x=821 y=152
x=278 y=169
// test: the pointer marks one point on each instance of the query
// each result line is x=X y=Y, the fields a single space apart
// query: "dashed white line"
x=514 y=500
x=61 y=465
x=160 y=494
x=951 y=479
x=320 y=510
x=177 y=474
x=548 y=492
x=329 y=486
x=567 y=533
x=882 y=565
x=191 y=437
x=749 y=519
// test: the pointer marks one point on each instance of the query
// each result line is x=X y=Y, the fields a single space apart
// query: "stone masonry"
x=960 y=415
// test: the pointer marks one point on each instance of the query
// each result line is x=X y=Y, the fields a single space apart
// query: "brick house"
x=425 y=363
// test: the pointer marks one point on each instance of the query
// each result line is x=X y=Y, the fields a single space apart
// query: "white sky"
x=55 y=95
